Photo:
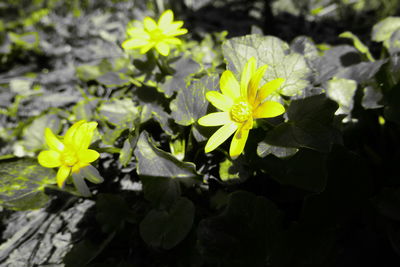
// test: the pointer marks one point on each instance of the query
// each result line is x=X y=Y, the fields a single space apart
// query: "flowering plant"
x=72 y=155
x=159 y=35
x=240 y=105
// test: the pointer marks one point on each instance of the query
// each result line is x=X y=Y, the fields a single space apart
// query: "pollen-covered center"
x=69 y=158
x=241 y=111
x=157 y=35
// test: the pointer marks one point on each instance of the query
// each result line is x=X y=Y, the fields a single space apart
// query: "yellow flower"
x=159 y=35
x=240 y=105
x=71 y=154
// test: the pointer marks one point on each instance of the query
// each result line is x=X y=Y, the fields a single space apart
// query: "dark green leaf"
x=112 y=212
x=160 y=172
x=306 y=170
x=392 y=108
x=310 y=125
x=184 y=68
x=167 y=228
x=244 y=234
x=388 y=203
x=190 y=103
x=157 y=163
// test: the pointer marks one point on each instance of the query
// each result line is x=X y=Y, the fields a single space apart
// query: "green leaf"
x=358 y=44
x=122 y=114
x=160 y=172
x=296 y=171
x=310 y=125
x=33 y=135
x=394 y=43
x=119 y=112
x=85 y=109
x=27 y=40
x=158 y=163
x=112 y=212
x=22 y=183
x=125 y=154
x=388 y=203
x=383 y=30
x=233 y=171
x=342 y=91
x=21 y=86
x=190 y=103
x=361 y=72
x=347 y=193
x=281 y=61
x=167 y=228
x=107 y=72
x=392 y=107
x=372 y=97
x=244 y=234
x=184 y=68
x=264 y=149
x=334 y=60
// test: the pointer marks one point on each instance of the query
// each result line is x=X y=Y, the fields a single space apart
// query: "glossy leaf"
x=269 y=50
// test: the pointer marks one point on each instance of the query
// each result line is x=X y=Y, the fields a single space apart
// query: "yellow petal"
x=138 y=33
x=267 y=89
x=134 y=43
x=171 y=28
x=219 y=100
x=149 y=24
x=88 y=155
x=268 y=109
x=254 y=82
x=247 y=72
x=69 y=135
x=229 y=85
x=49 y=158
x=162 y=48
x=172 y=40
x=62 y=175
x=238 y=142
x=52 y=141
x=215 y=119
x=83 y=135
x=166 y=18
x=220 y=136
x=177 y=32
x=146 y=48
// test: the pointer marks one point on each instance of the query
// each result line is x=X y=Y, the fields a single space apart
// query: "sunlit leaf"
x=184 y=68
x=22 y=183
x=282 y=63
x=342 y=91
x=160 y=172
x=190 y=103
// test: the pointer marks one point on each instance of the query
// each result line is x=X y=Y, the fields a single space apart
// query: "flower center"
x=69 y=158
x=241 y=111
x=157 y=35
